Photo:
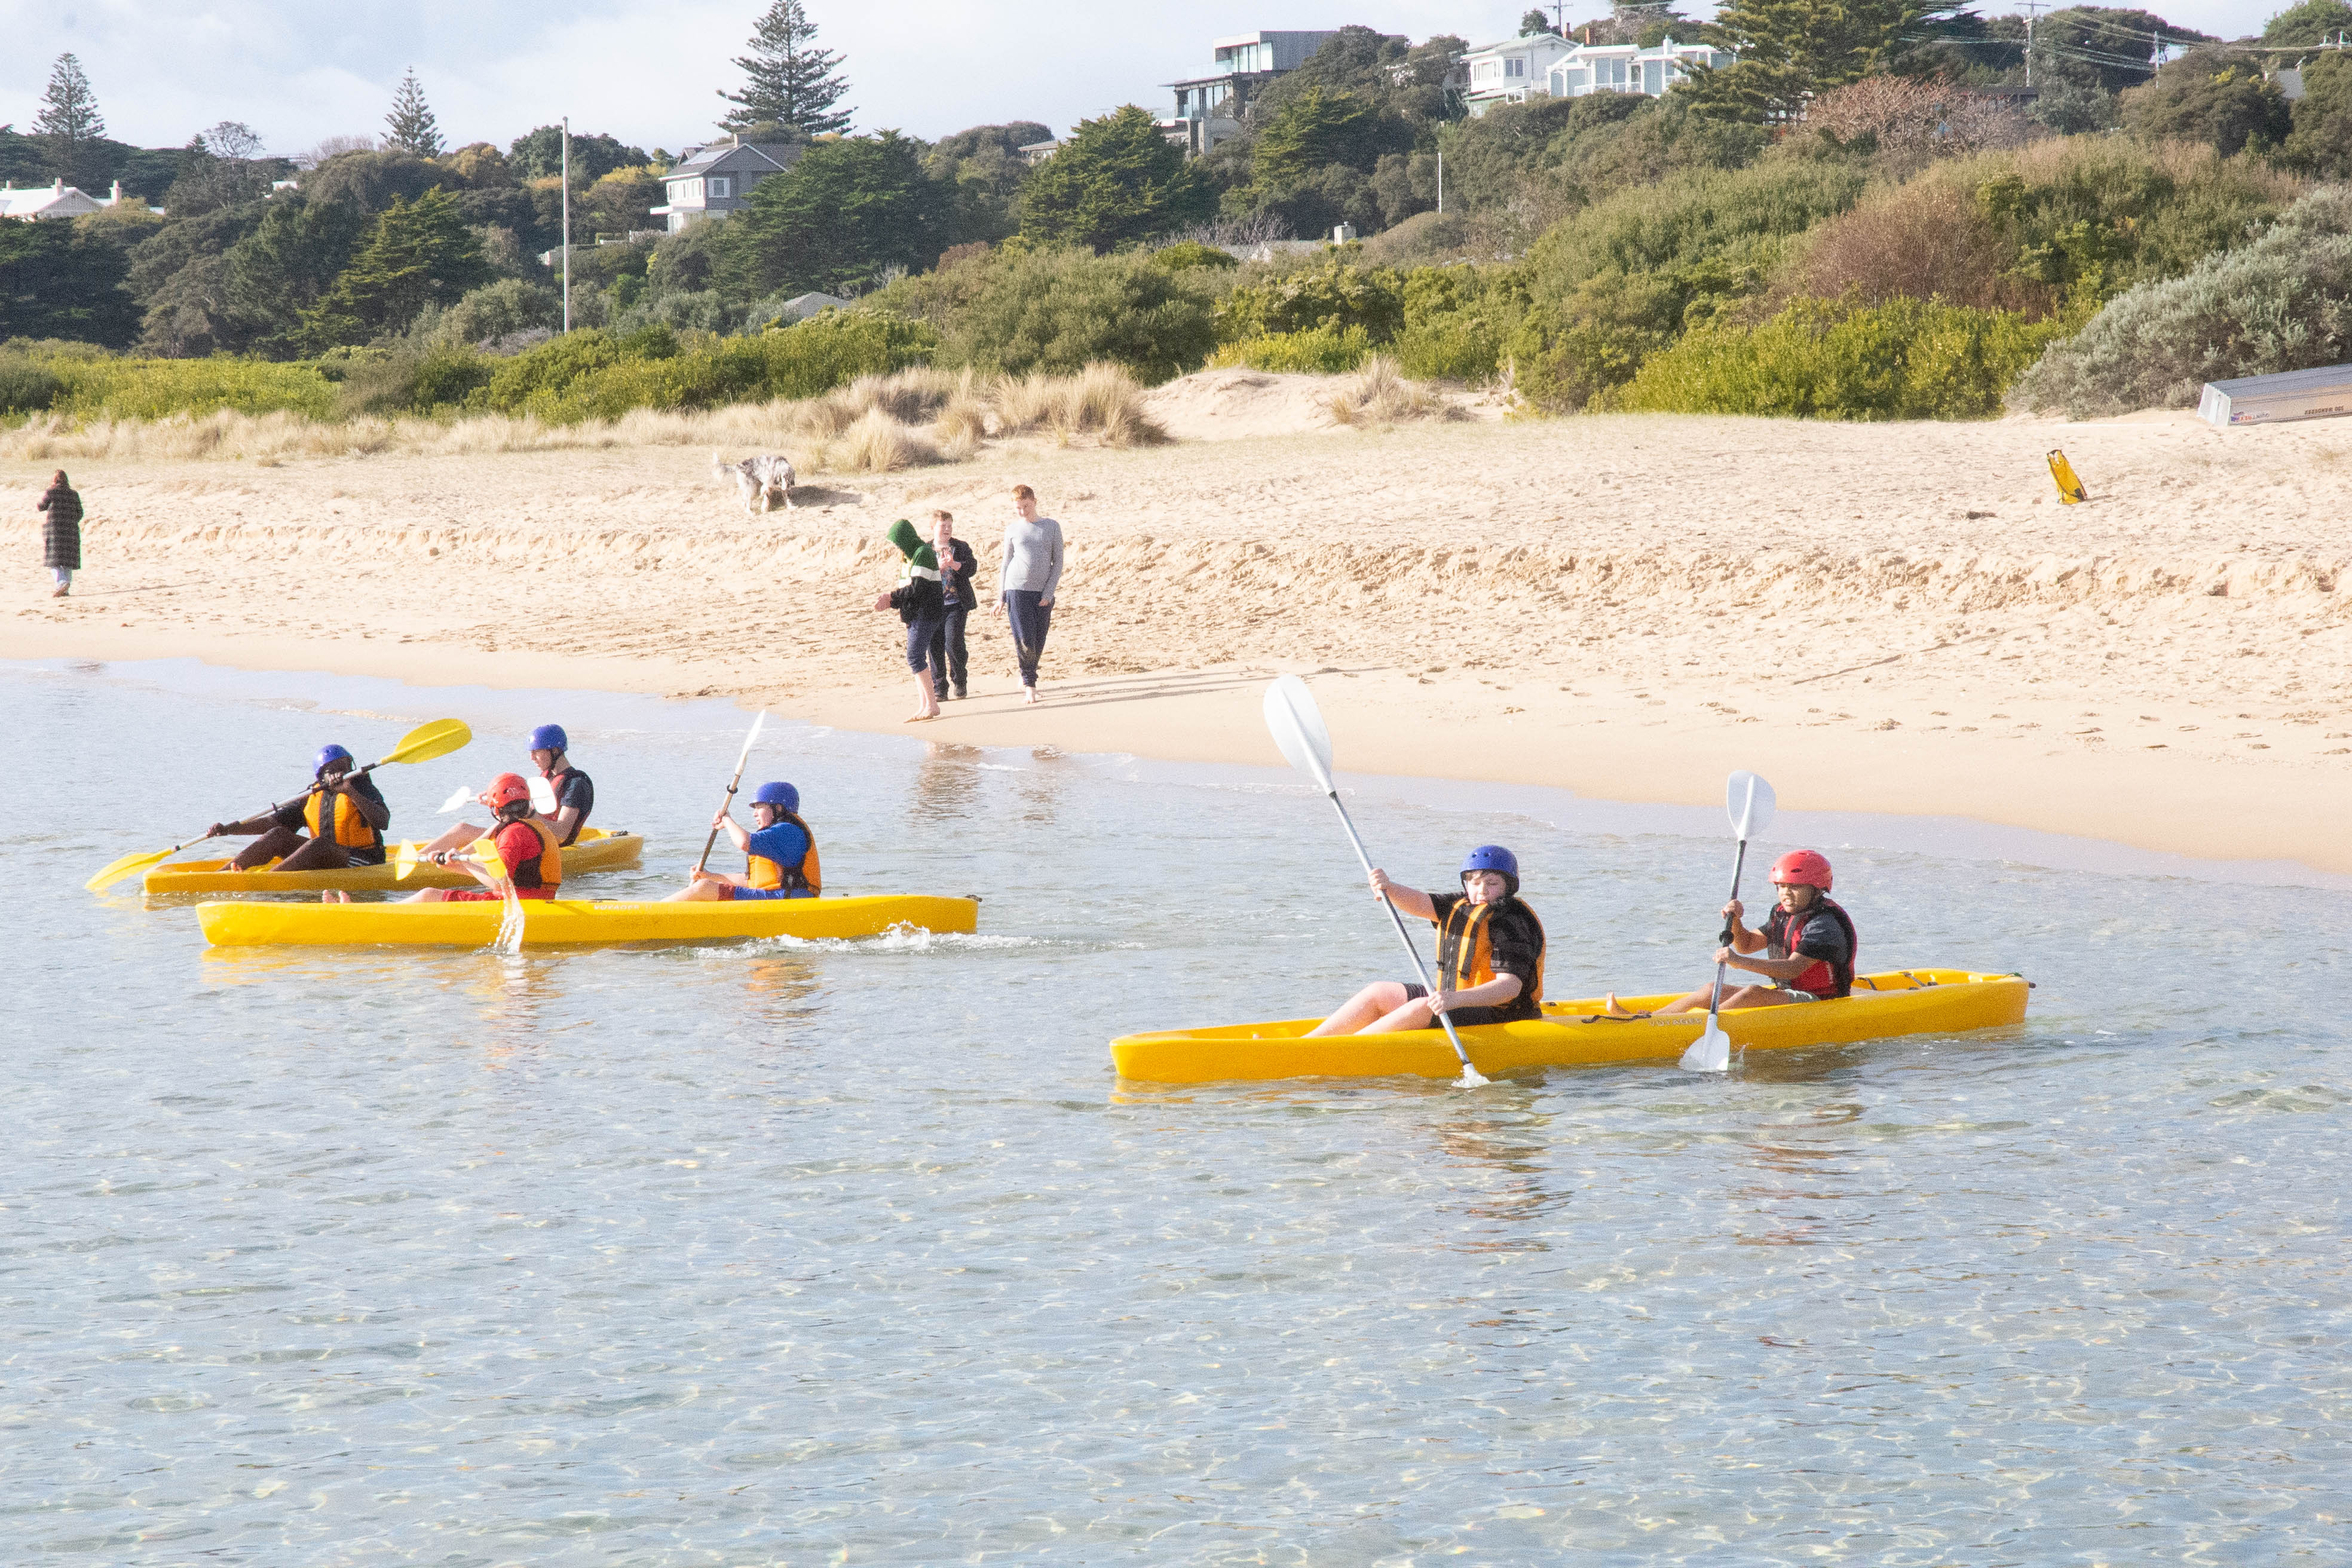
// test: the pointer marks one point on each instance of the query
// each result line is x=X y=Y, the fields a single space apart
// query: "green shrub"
x=27 y=388
x=1906 y=359
x=2284 y=302
x=1336 y=293
x=158 y=388
x=1456 y=324
x=1187 y=254
x=1059 y=311
x=1326 y=350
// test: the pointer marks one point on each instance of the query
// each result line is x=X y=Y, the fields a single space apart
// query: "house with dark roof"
x=713 y=181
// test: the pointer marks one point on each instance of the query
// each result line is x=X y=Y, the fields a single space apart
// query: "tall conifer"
x=413 y=127
x=787 y=80
x=70 y=124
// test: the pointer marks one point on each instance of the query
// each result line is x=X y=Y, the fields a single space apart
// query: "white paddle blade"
x=403 y=863
x=1297 y=728
x=1750 y=803
x=1471 y=1078
x=1711 y=1052
x=458 y=802
x=746 y=754
x=542 y=795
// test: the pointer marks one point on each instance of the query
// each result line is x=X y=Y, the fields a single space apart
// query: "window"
x=1515 y=66
x=720 y=186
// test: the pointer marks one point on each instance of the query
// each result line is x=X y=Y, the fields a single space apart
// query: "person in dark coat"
x=61 y=533
x=950 y=657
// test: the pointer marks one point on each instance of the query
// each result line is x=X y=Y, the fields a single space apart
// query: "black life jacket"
x=1465 y=954
x=555 y=781
x=1834 y=978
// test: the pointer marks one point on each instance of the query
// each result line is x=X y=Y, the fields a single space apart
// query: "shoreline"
x=2167 y=669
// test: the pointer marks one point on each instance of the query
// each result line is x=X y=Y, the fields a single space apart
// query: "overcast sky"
x=297 y=71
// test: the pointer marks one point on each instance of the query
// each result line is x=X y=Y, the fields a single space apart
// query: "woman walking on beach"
x=1031 y=571
x=61 y=533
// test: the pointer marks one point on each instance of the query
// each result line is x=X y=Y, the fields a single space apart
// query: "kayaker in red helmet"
x=1808 y=941
x=530 y=856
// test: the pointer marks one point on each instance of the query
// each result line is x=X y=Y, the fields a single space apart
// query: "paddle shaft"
x=1402 y=935
x=1715 y=997
x=729 y=804
x=276 y=807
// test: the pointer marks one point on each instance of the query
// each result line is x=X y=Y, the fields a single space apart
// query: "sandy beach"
x=1891 y=617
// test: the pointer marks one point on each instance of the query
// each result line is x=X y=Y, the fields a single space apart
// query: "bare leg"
x=458 y=838
x=317 y=855
x=928 y=707
x=1374 y=1002
x=1733 y=996
x=699 y=890
x=430 y=896
x=277 y=841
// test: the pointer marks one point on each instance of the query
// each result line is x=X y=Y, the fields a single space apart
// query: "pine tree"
x=69 y=123
x=412 y=127
x=417 y=254
x=788 y=81
x=1791 y=50
x=1115 y=181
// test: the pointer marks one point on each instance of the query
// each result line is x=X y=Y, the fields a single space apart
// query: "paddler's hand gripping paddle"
x=1298 y=727
x=733 y=785
x=422 y=744
x=1749 y=801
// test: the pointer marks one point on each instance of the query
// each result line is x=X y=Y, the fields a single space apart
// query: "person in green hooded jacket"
x=922 y=607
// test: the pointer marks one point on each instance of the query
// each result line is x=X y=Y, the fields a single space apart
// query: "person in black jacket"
x=950 y=660
x=61 y=533
x=920 y=608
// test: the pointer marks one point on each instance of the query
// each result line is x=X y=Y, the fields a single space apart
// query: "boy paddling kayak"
x=1490 y=955
x=575 y=794
x=778 y=849
x=1808 y=941
x=343 y=816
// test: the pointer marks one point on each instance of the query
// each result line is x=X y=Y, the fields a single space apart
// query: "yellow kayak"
x=1574 y=1034
x=568 y=922
x=598 y=849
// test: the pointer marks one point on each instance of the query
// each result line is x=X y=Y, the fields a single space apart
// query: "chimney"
x=115 y=197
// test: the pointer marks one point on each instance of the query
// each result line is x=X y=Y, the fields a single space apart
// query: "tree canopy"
x=1792 y=49
x=417 y=254
x=70 y=125
x=1116 y=181
x=848 y=211
x=787 y=80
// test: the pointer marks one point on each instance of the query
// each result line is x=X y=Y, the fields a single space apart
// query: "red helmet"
x=504 y=790
x=1803 y=869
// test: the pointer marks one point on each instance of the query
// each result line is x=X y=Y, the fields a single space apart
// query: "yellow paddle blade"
x=129 y=866
x=403 y=863
x=426 y=741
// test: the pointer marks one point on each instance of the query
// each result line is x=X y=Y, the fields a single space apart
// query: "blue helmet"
x=778 y=794
x=550 y=738
x=1495 y=857
x=328 y=757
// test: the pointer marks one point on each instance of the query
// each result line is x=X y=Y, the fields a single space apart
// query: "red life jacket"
x=555 y=781
x=1824 y=978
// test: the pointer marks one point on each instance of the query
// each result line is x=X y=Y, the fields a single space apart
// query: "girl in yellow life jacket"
x=778 y=850
x=339 y=823
x=1490 y=955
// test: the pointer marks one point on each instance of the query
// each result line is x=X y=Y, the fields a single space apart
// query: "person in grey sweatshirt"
x=1032 y=570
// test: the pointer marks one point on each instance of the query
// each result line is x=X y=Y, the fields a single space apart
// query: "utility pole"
x=1440 y=182
x=2032 y=8
x=567 y=225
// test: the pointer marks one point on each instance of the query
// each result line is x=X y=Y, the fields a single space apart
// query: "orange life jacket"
x=352 y=829
x=538 y=875
x=807 y=875
x=1465 y=956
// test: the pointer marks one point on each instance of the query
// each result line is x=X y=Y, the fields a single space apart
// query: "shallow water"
x=857 y=1252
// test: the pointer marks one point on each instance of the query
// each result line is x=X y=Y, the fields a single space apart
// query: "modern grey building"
x=1208 y=109
x=712 y=181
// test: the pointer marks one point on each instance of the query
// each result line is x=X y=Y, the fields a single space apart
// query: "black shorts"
x=371 y=856
x=1469 y=1017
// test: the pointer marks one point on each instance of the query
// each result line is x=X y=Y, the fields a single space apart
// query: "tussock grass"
x=1380 y=394
x=870 y=425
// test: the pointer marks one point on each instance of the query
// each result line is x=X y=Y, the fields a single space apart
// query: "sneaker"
x=961 y=693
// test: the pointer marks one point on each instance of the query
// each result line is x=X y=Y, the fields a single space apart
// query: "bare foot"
x=334 y=896
x=1029 y=694
x=1617 y=1009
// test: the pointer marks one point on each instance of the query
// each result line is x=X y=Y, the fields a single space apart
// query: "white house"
x=1512 y=71
x=1622 y=67
x=54 y=200
x=712 y=181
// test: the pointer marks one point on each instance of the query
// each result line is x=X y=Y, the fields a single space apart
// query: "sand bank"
x=1891 y=618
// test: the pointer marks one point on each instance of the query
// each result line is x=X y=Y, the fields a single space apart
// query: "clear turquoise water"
x=858 y=1253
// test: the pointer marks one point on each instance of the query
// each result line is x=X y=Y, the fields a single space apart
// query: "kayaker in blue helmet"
x=780 y=853
x=575 y=794
x=338 y=821
x=1490 y=955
